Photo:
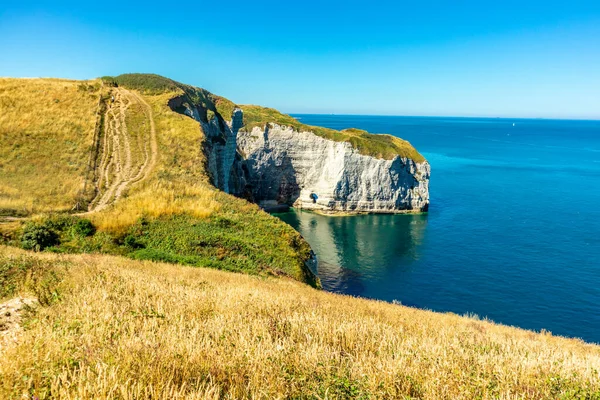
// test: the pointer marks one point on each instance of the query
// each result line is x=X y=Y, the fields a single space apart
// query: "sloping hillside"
x=106 y=166
x=140 y=170
x=46 y=133
x=109 y=327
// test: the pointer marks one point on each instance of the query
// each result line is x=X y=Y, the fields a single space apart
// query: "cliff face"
x=278 y=166
x=285 y=166
x=221 y=152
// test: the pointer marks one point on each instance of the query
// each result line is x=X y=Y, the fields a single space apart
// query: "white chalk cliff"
x=277 y=166
x=285 y=166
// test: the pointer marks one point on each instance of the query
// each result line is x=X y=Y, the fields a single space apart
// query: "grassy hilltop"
x=380 y=146
x=109 y=185
x=153 y=200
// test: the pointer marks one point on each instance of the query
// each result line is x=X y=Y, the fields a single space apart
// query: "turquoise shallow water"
x=513 y=231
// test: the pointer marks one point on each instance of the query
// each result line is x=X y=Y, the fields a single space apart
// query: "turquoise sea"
x=513 y=231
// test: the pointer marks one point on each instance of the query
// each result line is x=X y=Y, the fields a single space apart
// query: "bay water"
x=512 y=233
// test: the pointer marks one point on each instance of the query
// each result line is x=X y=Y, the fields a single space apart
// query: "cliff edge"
x=273 y=160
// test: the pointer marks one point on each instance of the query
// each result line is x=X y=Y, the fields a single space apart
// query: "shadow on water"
x=354 y=250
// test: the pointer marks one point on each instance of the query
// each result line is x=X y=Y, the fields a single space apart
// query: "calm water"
x=513 y=231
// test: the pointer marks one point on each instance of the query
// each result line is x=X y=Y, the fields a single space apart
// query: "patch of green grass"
x=224 y=107
x=250 y=242
x=63 y=233
x=147 y=83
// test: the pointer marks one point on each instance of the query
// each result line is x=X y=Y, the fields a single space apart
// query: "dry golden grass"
x=185 y=219
x=46 y=129
x=178 y=184
x=155 y=200
x=129 y=329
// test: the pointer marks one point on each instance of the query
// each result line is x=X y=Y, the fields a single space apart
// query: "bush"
x=150 y=83
x=83 y=228
x=132 y=242
x=37 y=237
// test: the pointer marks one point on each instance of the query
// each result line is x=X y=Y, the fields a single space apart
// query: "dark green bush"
x=83 y=228
x=150 y=83
x=38 y=236
x=132 y=242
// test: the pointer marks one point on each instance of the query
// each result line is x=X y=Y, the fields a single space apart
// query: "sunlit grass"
x=175 y=214
x=113 y=327
x=178 y=185
x=46 y=129
x=130 y=329
x=156 y=200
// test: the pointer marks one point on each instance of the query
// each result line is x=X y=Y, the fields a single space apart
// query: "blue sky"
x=461 y=58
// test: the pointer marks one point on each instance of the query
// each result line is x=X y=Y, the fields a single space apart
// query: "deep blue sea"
x=513 y=231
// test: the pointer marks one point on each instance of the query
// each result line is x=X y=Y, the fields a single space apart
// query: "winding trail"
x=119 y=168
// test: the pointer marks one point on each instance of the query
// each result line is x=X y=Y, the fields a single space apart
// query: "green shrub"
x=132 y=242
x=149 y=83
x=38 y=236
x=83 y=228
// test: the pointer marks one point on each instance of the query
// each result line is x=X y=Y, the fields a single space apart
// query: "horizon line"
x=596 y=119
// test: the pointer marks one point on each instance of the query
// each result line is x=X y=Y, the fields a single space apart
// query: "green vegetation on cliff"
x=152 y=84
x=376 y=145
x=105 y=326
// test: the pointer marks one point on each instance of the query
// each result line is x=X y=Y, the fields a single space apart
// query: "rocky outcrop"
x=288 y=167
x=277 y=166
x=221 y=152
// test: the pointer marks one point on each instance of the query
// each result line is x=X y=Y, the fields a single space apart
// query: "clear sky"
x=524 y=58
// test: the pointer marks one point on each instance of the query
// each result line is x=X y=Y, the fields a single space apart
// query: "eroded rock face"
x=222 y=153
x=302 y=169
x=279 y=167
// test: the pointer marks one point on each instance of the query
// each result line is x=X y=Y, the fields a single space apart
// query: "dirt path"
x=118 y=168
x=11 y=313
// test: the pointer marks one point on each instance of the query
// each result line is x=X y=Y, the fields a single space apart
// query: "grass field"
x=110 y=327
x=46 y=130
